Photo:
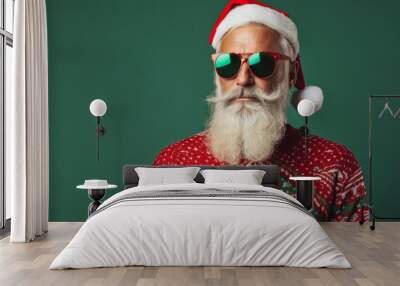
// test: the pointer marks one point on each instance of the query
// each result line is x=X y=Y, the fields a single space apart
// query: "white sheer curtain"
x=27 y=124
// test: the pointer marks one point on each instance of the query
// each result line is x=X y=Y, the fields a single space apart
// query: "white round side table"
x=96 y=190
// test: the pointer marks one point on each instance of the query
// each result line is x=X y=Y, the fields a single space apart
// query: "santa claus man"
x=256 y=64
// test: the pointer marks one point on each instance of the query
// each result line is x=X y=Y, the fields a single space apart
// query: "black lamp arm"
x=305 y=132
x=100 y=130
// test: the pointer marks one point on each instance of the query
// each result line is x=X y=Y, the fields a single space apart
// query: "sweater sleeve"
x=167 y=156
x=350 y=190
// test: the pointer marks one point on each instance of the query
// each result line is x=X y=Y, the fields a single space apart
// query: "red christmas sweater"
x=337 y=195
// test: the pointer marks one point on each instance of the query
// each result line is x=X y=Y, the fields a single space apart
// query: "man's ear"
x=213 y=57
x=293 y=73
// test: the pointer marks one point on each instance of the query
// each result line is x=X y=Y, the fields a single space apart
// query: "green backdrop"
x=150 y=61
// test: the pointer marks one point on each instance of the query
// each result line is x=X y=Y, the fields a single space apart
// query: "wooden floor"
x=375 y=257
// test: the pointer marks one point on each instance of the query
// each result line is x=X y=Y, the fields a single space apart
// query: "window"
x=6 y=60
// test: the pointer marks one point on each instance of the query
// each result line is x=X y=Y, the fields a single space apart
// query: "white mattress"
x=193 y=231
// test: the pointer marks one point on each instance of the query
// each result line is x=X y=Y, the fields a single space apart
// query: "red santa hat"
x=240 y=12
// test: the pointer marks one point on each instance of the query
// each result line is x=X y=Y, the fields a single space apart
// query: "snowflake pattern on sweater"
x=338 y=194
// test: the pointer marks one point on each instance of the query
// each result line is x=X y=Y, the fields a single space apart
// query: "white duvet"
x=200 y=231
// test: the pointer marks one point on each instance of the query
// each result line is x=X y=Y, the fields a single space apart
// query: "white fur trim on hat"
x=253 y=13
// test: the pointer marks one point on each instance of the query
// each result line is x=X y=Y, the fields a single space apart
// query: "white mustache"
x=253 y=92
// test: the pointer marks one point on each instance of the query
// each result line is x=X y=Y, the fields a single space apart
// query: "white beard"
x=247 y=130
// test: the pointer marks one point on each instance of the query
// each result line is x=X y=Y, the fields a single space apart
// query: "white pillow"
x=162 y=176
x=248 y=177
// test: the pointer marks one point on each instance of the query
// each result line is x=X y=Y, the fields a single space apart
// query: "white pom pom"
x=311 y=93
x=315 y=94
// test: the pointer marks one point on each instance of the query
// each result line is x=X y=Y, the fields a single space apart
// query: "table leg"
x=305 y=190
x=96 y=195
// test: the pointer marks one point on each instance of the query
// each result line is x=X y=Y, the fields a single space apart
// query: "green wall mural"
x=150 y=61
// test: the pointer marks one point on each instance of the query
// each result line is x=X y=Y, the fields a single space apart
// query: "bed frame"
x=271 y=178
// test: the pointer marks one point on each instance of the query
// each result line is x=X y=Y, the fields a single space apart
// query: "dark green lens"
x=262 y=64
x=227 y=65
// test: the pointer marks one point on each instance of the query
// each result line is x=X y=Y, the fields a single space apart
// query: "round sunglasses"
x=261 y=64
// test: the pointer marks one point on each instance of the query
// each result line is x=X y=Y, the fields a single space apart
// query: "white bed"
x=206 y=230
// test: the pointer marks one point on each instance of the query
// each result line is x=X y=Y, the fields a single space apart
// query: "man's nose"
x=245 y=77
